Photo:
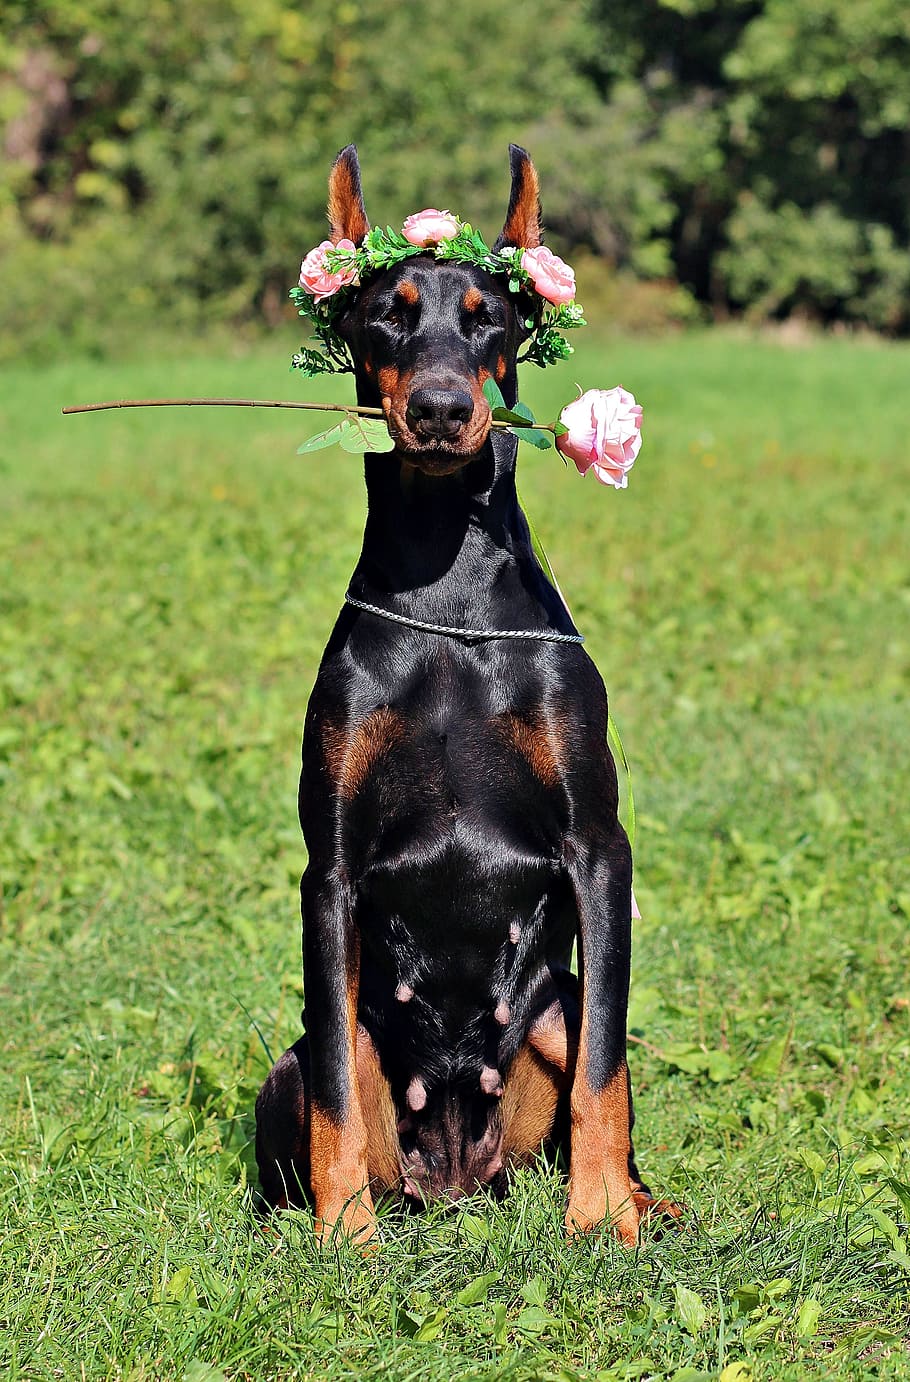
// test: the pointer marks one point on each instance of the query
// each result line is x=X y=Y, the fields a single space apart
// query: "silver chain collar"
x=468 y=635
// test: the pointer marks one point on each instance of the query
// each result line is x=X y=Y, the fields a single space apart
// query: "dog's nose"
x=439 y=413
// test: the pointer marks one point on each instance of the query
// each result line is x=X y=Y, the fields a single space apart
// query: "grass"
x=167 y=582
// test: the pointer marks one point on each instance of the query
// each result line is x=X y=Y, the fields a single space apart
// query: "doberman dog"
x=458 y=802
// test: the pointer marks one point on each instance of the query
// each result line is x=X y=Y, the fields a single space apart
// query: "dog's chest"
x=455 y=754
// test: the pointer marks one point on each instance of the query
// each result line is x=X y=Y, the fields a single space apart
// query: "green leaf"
x=532 y=435
x=200 y=797
x=901 y=1191
x=524 y=411
x=762 y=1327
x=769 y=1062
x=690 y=1309
x=534 y=1292
x=509 y=415
x=180 y=1286
x=832 y=1055
x=534 y=1320
x=493 y=394
x=747 y=1297
x=475 y=1227
x=813 y=1163
x=433 y=1326
x=478 y=1289
x=885 y=1224
x=376 y=435
x=810 y=1312
x=720 y=1066
x=331 y=437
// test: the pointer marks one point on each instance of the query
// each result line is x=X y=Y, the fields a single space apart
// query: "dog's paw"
x=661 y=1215
x=589 y=1213
x=354 y=1222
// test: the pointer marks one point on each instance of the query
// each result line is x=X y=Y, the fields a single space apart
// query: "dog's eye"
x=395 y=316
x=478 y=320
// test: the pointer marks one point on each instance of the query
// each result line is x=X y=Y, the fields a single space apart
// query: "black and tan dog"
x=459 y=806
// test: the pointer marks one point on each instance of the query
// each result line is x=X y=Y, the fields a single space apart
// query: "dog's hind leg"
x=283 y=1130
x=530 y=1101
x=283 y=1125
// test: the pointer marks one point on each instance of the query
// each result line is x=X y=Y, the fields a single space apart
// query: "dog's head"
x=425 y=335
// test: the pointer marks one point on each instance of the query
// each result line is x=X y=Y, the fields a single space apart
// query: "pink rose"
x=321 y=281
x=604 y=434
x=428 y=227
x=551 y=276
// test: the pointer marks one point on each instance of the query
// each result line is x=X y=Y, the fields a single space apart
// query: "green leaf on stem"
x=532 y=435
x=365 y=434
x=352 y=434
x=520 y=418
x=493 y=394
x=331 y=437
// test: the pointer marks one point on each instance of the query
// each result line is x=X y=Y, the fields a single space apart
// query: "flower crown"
x=330 y=271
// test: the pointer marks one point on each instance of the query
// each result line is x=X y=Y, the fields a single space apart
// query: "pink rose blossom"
x=553 y=279
x=604 y=434
x=428 y=227
x=318 y=279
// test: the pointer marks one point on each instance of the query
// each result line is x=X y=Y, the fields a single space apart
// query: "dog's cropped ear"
x=347 y=218
x=522 y=225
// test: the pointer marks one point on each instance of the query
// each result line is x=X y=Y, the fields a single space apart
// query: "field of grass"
x=167 y=582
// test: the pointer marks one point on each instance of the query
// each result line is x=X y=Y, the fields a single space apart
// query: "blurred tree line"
x=167 y=161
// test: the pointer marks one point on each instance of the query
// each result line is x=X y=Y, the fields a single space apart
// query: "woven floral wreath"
x=330 y=271
x=600 y=431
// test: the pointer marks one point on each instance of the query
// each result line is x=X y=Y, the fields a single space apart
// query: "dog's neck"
x=453 y=549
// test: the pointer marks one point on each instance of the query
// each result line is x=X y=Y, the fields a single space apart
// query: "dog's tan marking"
x=395 y=388
x=472 y=299
x=549 y=1038
x=339 y=1174
x=537 y=743
x=350 y=755
x=528 y=1105
x=389 y=381
x=378 y=1114
x=408 y=292
x=599 y=1186
x=500 y=369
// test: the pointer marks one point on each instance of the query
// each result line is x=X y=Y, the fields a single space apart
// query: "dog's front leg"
x=338 y=1139
x=599 y=1189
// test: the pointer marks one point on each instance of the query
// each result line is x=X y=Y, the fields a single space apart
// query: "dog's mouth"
x=438 y=431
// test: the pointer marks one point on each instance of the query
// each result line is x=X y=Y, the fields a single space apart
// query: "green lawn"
x=167 y=582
